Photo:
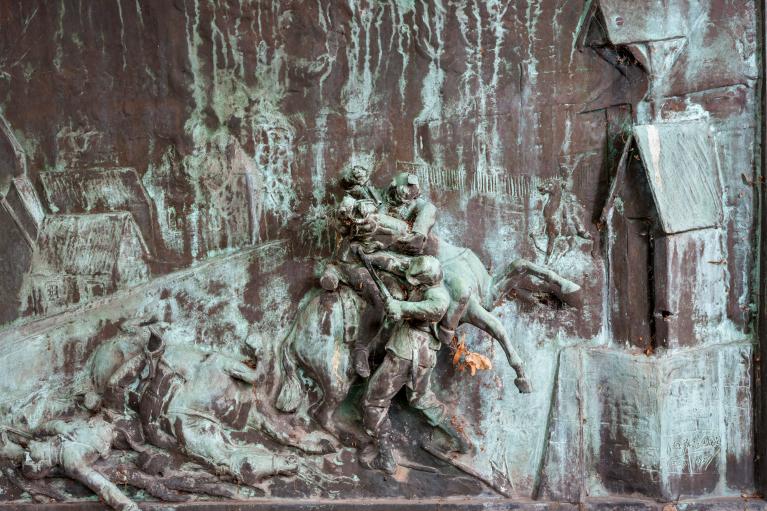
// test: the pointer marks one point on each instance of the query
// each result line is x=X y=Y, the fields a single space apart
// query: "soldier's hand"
x=372 y=246
x=366 y=225
x=393 y=309
x=414 y=243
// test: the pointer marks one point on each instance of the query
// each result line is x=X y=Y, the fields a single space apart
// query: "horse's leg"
x=552 y=233
x=310 y=444
x=324 y=414
x=460 y=292
x=211 y=442
x=476 y=315
x=348 y=432
x=566 y=290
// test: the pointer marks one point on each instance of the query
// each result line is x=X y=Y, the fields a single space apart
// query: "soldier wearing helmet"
x=391 y=223
x=411 y=355
x=403 y=200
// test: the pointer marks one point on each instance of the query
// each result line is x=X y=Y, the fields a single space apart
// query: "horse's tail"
x=290 y=393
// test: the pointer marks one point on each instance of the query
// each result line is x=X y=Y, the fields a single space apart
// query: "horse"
x=320 y=338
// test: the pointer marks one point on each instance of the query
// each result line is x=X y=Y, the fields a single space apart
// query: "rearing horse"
x=321 y=335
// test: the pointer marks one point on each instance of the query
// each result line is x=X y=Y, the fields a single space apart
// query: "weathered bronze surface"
x=487 y=254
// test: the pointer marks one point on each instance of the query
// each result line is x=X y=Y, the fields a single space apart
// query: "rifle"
x=385 y=294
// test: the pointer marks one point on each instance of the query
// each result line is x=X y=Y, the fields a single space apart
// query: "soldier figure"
x=403 y=201
x=400 y=219
x=391 y=230
x=356 y=183
x=411 y=355
x=354 y=216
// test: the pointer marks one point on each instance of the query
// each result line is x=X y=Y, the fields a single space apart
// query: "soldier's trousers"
x=393 y=374
x=371 y=314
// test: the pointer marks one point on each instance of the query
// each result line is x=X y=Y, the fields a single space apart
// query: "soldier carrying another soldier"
x=411 y=355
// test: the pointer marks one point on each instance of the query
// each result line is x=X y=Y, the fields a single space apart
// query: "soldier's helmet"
x=404 y=188
x=345 y=210
x=354 y=175
x=424 y=271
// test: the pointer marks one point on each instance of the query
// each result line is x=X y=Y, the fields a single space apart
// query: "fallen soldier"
x=71 y=448
x=187 y=400
x=148 y=397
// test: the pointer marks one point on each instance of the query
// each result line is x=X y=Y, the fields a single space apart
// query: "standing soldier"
x=411 y=355
x=401 y=217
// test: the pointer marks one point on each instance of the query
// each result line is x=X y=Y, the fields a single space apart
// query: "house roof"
x=86 y=244
x=682 y=170
x=93 y=190
x=629 y=21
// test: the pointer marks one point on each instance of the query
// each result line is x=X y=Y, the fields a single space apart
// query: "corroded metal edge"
x=760 y=403
x=395 y=504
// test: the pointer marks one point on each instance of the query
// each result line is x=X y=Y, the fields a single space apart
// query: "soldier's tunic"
x=411 y=355
x=420 y=213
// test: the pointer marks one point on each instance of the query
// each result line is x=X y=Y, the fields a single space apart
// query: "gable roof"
x=629 y=21
x=682 y=169
x=87 y=244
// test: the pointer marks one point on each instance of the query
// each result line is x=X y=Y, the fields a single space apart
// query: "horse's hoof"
x=523 y=384
x=569 y=287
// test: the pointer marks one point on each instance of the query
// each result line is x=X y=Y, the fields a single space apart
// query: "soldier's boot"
x=360 y=362
x=386 y=459
x=436 y=417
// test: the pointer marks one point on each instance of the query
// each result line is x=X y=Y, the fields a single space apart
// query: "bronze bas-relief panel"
x=378 y=250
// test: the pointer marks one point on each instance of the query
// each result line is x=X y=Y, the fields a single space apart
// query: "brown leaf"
x=464 y=359
x=477 y=362
x=460 y=349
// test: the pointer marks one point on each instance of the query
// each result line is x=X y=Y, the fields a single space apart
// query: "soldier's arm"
x=56 y=427
x=425 y=218
x=239 y=370
x=391 y=262
x=115 y=391
x=415 y=240
x=431 y=308
x=389 y=226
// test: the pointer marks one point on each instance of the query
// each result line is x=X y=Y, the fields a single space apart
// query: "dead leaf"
x=464 y=359
x=460 y=349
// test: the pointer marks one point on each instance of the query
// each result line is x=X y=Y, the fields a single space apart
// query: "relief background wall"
x=210 y=136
